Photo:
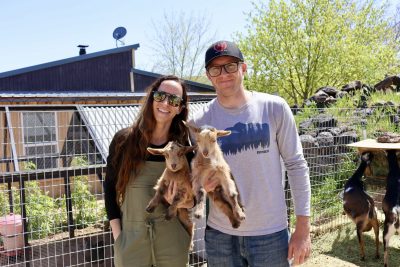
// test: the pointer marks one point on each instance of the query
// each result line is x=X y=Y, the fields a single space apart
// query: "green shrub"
x=45 y=215
x=4 y=205
x=83 y=202
x=86 y=210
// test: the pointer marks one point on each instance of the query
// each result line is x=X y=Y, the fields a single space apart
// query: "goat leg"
x=232 y=197
x=199 y=195
x=184 y=218
x=375 y=225
x=238 y=199
x=388 y=231
x=221 y=202
x=172 y=209
x=155 y=201
x=200 y=199
x=361 y=240
x=237 y=209
x=232 y=200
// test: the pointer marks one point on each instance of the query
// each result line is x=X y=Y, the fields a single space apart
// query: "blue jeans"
x=225 y=250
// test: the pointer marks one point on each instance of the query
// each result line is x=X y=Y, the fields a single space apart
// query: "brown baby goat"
x=360 y=207
x=177 y=170
x=209 y=163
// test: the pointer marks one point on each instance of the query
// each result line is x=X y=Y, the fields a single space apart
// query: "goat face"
x=206 y=138
x=367 y=157
x=174 y=154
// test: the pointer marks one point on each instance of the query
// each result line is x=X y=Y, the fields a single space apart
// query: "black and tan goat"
x=209 y=163
x=177 y=170
x=359 y=206
x=391 y=203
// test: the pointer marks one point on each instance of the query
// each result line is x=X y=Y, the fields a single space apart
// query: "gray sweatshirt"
x=263 y=133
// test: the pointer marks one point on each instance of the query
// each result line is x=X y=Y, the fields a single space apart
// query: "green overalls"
x=148 y=239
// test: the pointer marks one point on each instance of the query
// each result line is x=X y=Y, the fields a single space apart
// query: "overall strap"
x=150 y=228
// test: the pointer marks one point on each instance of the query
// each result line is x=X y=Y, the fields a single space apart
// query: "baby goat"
x=177 y=169
x=391 y=203
x=209 y=163
x=359 y=206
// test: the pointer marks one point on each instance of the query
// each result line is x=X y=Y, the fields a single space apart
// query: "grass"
x=339 y=247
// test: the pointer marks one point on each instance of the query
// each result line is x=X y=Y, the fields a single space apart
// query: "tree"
x=294 y=47
x=180 y=42
x=397 y=23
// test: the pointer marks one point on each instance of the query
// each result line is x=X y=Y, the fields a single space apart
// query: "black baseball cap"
x=223 y=48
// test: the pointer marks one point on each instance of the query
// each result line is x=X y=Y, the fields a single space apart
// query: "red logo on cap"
x=221 y=46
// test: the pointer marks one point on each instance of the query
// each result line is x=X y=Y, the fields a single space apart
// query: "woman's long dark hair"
x=131 y=149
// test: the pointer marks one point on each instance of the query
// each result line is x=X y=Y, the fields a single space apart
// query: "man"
x=263 y=132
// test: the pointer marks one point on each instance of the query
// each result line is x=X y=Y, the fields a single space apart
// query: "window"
x=40 y=139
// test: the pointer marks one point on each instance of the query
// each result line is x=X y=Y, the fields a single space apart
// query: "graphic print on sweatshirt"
x=249 y=136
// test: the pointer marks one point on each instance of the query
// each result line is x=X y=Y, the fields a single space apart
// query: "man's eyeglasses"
x=173 y=100
x=215 y=71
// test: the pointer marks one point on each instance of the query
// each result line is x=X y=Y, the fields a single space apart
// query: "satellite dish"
x=118 y=33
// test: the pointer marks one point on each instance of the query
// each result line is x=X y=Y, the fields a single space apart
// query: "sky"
x=33 y=32
x=40 y=31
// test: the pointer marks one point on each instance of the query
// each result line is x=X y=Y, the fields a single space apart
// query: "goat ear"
x=191 y=127
x=190 y=148
x=221 y=133
x=155 y=151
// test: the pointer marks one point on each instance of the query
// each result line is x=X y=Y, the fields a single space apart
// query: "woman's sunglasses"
x=173 y=100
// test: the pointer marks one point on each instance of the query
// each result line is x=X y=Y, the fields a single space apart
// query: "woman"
x=143 y=239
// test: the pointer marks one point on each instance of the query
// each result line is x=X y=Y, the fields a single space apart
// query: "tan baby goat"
x=177 y=170
x=209 y=163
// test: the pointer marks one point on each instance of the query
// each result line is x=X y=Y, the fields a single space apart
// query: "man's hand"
x=300 y=241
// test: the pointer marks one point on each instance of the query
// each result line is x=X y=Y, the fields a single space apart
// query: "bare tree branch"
x=179 y=44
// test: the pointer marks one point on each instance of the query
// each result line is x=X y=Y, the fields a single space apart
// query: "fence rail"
x=52 y=165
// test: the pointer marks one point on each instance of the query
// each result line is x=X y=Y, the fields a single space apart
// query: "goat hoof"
x=198 y=215
x=362 y=259
x=150 y=209
x=236 y=224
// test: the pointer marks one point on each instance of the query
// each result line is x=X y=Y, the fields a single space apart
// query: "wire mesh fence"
x=325 y=134
x=52 y=166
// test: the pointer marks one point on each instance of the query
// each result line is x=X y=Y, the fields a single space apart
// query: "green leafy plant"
x=28 y=166
x=86 y=210
x=38 y=207
x=4 y=205
x=83 y=202
x=294 y=47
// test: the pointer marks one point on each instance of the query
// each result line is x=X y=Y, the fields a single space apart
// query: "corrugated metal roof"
x=103 y=122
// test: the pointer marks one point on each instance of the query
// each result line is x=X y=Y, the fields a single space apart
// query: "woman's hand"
x=115 y=227
x=171 y=192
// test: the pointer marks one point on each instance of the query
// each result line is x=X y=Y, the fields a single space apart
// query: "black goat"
x=391 y=203
x=359 y=206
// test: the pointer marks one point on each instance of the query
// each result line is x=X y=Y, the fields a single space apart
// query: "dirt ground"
x=339 y=248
